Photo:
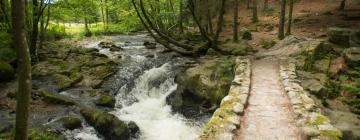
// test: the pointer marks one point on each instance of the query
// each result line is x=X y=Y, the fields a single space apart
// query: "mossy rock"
x=7 y=72
x=55 y=98
x=106 y=124
x=208 y=81
x=340 y=36
x=106 y=101
x=64 y=81
x=246 y=34
x=150 y=45
x=71 y=123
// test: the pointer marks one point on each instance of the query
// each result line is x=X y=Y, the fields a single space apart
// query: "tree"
x=342 y=5
x=291 y=5
x=255 y=12
x=266 y=5
x=282 y=19
x=38 y=11
x=236 y=22
x=24 y=69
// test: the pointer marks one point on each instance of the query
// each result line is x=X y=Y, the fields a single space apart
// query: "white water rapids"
x=151 y=113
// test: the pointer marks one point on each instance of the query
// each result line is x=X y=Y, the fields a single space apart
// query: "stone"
x=55 y=98
x=234 y=120
x=210 y=81
x=310 y=132
x=71 y=123
x=7 y=72
x=339 y=36
x=134 y=129
x=240 y=48
x=150 y=45
x=106 y=101
x=106 y=124
x=238 y=108
x=352 y=56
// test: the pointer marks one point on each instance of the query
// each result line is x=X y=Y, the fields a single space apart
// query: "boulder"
x=7 y=72
x=149 y=45
x=106 y=44
x=71 y=123
x=352 y=56
x=134 y=129
x=106 y=101
x=55 y=98
x=106 y=124
x=210 y=81
x=340 y=36
x=239 y=49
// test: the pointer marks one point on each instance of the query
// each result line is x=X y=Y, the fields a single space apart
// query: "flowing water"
x=144 y=80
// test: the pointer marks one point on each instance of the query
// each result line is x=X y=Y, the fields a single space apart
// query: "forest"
x=180 y=69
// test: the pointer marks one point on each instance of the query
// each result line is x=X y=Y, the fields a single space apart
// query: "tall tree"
x=342 y=5
x=24 y=69
x=266 y=5
x=236 y=21
x=291 y=5
x=281 y=34
x=181 y=16
x=38 y=11
x=255 y=11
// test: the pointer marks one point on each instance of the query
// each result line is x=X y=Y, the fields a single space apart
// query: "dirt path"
x=268 y=116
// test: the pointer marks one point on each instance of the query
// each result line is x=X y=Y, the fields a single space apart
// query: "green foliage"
x=354 y=89
x=267 y=44
x=37 y=134
x=55 y=32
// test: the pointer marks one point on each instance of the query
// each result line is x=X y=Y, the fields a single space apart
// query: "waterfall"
x=145 y=104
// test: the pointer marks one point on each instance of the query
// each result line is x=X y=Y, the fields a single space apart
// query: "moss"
x=71 y=122
x=55 y=98
x=106 y=100
x=331 y=134
x=7 y=72
x=64 y=81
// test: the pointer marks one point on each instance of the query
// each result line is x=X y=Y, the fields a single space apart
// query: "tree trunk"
x=87 y=30
x=255 y=12
x=248 y=4
x=282 y=20
x=42 y=31
x=181 y=16
x=24 y=69
x=106 y=15
x=209 y=18
x=236 y=22
x=266 y=5
x=291 y=4
x=103 y=15
x=342 y=5
x=35 y=31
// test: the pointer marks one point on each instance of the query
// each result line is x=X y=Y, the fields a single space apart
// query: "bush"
x=55 y=32
x=267 y=44
x=353 y=88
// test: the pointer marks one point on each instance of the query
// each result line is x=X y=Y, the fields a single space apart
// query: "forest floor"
x=268 y=115
x=311 y=19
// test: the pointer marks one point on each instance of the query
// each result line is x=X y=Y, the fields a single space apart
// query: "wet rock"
x=150 y=56
x=134 y=129
x=339 y=36
x=64 y=81
x=71 y=123
x=106 y=101
x=106 y=124
x=149 y=45
x=106 y=44
x=7 y=72
x=55 y=98
x=6 y=121
x=352 y=56
x=115 y=49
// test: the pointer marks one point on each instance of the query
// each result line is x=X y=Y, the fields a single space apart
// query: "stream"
x=144 y=79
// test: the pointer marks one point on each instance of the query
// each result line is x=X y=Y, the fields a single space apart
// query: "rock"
x=355 y=39
x=64 y=81
x=7 y=72
x=71 y=123
x=106 y=101
x=337 y=65
x=211 y=52
x=134 y=129
x=322 y=65
x=340 y=36
x=106 y=44
x=106 y=124
x=115 y=49
x=310 y=132
x=314 y=86
x=352 y=56
x=149 y=45
x=54 y=98
x=209 y=81
x=246 y=34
